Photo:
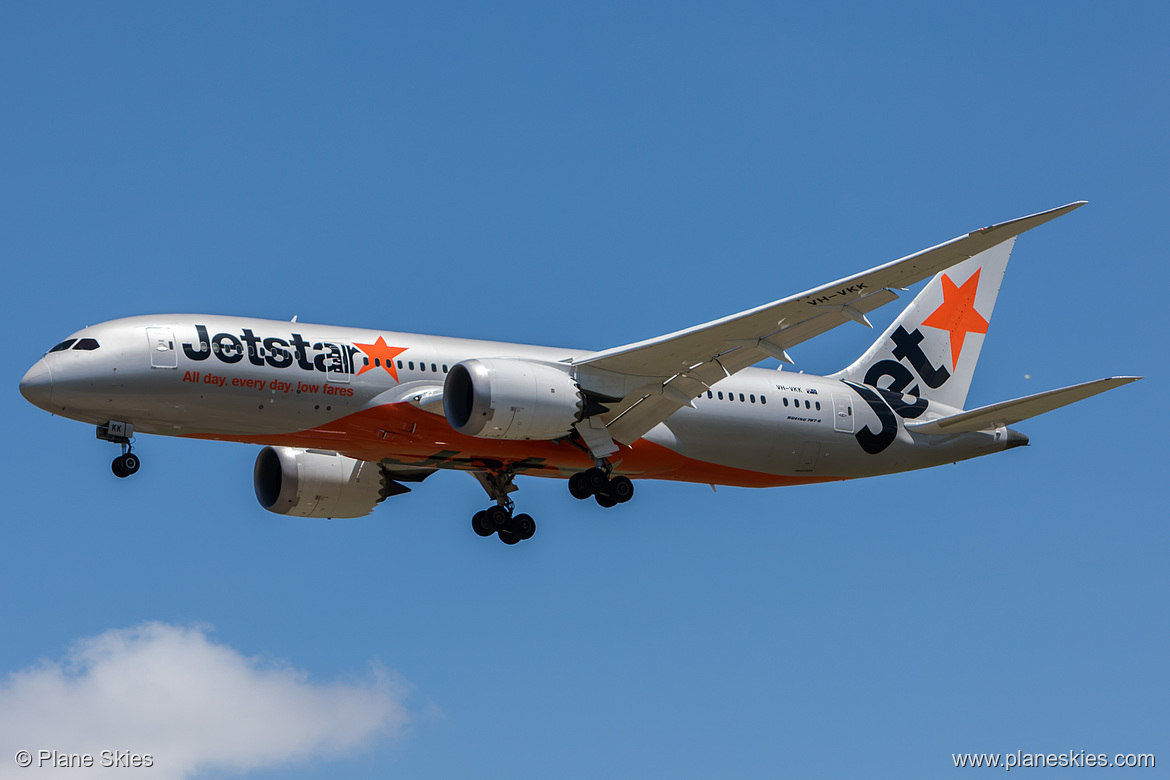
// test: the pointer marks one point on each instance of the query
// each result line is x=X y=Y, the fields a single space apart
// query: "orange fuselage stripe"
x=405 y=435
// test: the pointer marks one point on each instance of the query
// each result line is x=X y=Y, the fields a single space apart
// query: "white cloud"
x=190 y=703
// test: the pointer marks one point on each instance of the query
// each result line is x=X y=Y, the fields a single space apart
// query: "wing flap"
x=1010 y=412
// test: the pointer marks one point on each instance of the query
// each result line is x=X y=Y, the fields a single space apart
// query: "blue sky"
x=589 y=177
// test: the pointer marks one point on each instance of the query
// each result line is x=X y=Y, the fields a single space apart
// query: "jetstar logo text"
x=891 y=399
x=323 y=356
x=957 y=316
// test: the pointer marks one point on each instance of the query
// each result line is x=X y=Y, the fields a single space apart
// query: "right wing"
x=655 y=378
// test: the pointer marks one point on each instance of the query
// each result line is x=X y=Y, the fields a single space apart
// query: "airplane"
x=349 y=417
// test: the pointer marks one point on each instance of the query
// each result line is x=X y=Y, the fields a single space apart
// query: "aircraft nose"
x=37 y=385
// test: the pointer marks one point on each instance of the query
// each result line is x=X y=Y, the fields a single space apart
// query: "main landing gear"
x=596 y=482
x=499 y=519
x=120 y=433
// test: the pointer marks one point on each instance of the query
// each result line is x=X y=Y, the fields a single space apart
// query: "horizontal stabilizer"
x=1009 y=412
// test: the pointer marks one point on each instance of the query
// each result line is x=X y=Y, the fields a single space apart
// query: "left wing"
x=659 y=376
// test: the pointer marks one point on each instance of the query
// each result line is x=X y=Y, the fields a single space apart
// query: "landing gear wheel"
x=496 y=518
x=579 y=486
x=621 y=488
x=509 y=537
x=130 y=463
x=596 y=480
x=479 y=524
x=523 y=526
x=606 y=500
x=125 y=465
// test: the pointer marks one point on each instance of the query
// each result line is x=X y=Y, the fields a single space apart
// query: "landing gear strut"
x=120 y=433
x=606 y=491
x=499 y=519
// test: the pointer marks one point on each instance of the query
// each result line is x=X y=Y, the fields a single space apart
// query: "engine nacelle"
x=507 y=398
x=316 y=483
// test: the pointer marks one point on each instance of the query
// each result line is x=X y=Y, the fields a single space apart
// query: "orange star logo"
x=380 y=355
x=957 y=314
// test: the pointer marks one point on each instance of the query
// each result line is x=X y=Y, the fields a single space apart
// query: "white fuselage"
x=303 y=385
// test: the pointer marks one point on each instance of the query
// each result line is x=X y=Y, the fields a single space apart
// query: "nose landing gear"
x=120 y=433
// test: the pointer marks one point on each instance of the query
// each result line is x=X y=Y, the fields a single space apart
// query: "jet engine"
x=317 y=483
x=506 y=398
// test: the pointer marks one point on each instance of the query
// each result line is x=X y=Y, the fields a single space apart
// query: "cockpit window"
x=64 y=345
x=87 y=344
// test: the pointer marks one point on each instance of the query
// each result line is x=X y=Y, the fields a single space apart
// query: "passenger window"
x=444 y=368
x=807 y=405
x=365 y=361
x=818 y=406
x=378 y=362
x=720 y=395
x=785 y=400
x=86 y=344
x=422 y=366
x=64 y=345
x=741 y=396
x=763 y=399
x=434 y=368
x=411 y=364
x=400 y=364
x=752 y=397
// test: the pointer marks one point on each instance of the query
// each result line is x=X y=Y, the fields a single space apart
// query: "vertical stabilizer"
x=931 y=350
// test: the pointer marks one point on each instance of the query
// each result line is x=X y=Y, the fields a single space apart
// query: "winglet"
x=1032 y=220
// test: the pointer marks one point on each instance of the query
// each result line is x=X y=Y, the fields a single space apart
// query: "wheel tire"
x=579 y=487
x=496 y=518
x=507 y=537
x=596 y=480
x=523 y=526
x=606 y=500
x=118 y=469
x=130 y=463
x=479 y=524
x=621 y=488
